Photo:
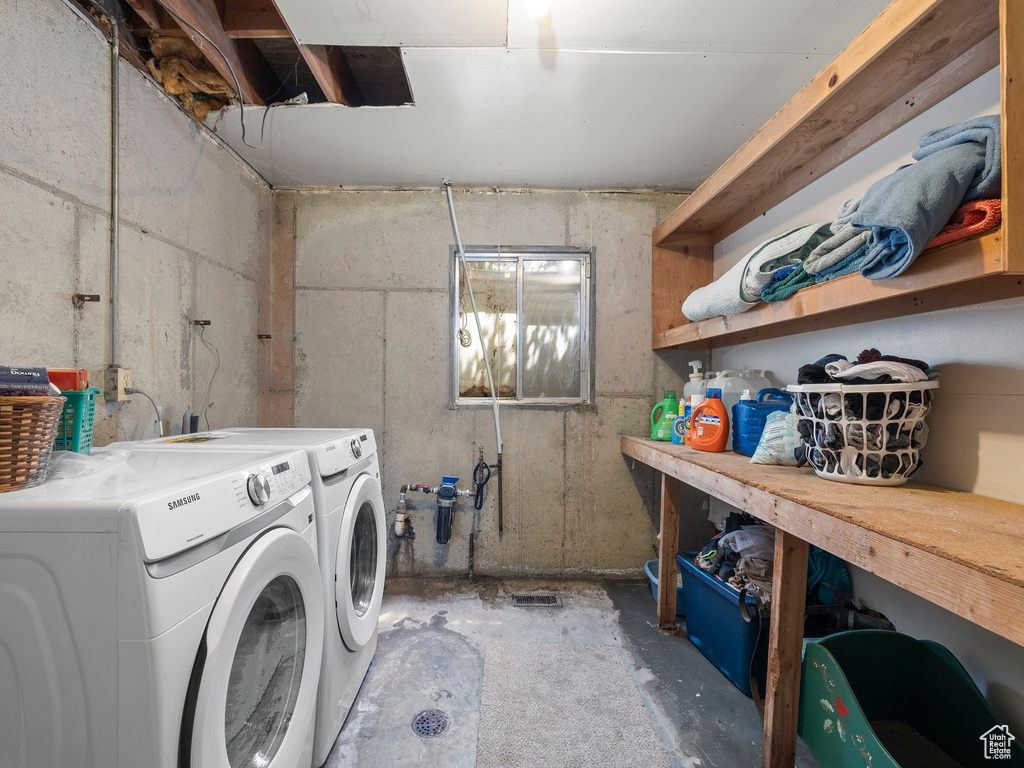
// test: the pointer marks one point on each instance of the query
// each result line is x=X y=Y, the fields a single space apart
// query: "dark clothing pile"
x=827 y=445
x=743 y=555
x=871 y=367
x=742 y=558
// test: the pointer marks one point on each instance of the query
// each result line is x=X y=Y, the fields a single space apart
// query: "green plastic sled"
x=879 y=699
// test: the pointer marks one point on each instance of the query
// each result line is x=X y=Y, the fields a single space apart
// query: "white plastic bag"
x=778 y=440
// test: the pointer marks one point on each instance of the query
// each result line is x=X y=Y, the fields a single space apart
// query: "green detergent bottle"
x=662 y=416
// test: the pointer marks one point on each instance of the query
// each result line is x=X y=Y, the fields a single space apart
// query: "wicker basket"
x=28 y=427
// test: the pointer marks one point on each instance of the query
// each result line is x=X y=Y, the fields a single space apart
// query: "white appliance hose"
x=476 y=315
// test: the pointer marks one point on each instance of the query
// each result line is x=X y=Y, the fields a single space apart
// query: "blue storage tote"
x=651 y=567
x=715 y=626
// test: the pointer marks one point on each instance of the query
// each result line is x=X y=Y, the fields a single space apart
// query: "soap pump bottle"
x=696 y=385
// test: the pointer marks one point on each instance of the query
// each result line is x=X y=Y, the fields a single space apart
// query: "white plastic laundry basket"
x=870 y=434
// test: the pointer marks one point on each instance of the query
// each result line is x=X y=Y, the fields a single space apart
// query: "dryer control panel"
x=335 y=456
x=196 y=512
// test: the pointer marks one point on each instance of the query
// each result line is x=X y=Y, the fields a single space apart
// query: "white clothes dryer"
x=165 y=610
x=352 y=550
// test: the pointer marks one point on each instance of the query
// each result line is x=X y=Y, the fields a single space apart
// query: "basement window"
x=534 y=306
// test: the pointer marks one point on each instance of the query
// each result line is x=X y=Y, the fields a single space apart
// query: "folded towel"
x=785 y=288
x=845 y=213
x=740 y=288
x=846 y=239
x=778 y=277
x=982 y=130
x=847 y=266
x=907 y=209
x=970 y=219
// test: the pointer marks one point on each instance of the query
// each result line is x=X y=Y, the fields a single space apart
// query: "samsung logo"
x=182 y=501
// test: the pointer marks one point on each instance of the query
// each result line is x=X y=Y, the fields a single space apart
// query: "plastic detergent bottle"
x=696 y=385
x=749 y=417
x=710 y=424
x=692 y=402
x=662 y=417
x=730 y=383
x=756 y=379
x=679 y=426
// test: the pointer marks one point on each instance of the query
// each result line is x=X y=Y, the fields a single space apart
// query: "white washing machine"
x=165 y=611
x=352 y=550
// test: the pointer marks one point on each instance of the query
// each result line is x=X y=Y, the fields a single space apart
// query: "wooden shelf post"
x=667 y=550
x=785 y=647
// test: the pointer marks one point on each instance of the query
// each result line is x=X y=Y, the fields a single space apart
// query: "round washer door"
x=264 y=642
x=362 y=552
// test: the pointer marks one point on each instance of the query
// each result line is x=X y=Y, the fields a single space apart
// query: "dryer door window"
x=254 y=691
x=359 y=583
x=265 y=675
x=362 y=566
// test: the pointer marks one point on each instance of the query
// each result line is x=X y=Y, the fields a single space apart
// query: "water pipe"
x=446 y=495
x=483 y=347
x=115 y=351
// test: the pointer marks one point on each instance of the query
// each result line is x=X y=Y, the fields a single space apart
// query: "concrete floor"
x=433 y=638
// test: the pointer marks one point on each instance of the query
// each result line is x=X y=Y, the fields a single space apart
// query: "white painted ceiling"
x=592 y=94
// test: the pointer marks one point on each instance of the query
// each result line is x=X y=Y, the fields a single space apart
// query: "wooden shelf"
x=958 y=550
x=959 y=274
x=961 y=551
x=934 y=542
x=913 y=55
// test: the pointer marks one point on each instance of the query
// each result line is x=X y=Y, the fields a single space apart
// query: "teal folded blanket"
x=847 y=266
x=783 y=289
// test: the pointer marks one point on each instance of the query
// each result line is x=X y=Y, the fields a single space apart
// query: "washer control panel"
x=334 y=456
x=274 y=481
x=171 y=523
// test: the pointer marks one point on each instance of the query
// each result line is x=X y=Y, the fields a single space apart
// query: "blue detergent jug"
x=749 y=417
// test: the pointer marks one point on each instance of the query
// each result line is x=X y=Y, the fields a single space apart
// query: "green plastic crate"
x=75 y=430
x=877 y=699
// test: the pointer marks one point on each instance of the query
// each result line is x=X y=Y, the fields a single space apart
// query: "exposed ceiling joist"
x=332 y=73
x=328 y=65
x=255 y=76
x=253 y=19
x=242 y=19
x=232 y=25
x=150 y=11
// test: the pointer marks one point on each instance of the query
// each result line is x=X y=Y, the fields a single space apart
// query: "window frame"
x=524 y=253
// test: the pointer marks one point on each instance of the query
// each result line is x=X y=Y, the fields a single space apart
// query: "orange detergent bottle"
x=709 y=428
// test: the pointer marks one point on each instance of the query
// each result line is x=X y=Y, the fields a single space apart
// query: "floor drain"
x=524 y=600
x=430 y=723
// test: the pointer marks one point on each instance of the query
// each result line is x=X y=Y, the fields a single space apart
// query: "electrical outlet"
x=115 y=381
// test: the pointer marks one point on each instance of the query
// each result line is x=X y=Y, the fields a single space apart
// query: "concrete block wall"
x=195 y=223
x=372 y=337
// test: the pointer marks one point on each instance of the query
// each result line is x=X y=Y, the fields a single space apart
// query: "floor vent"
x=536 y=601
x=430 y=723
